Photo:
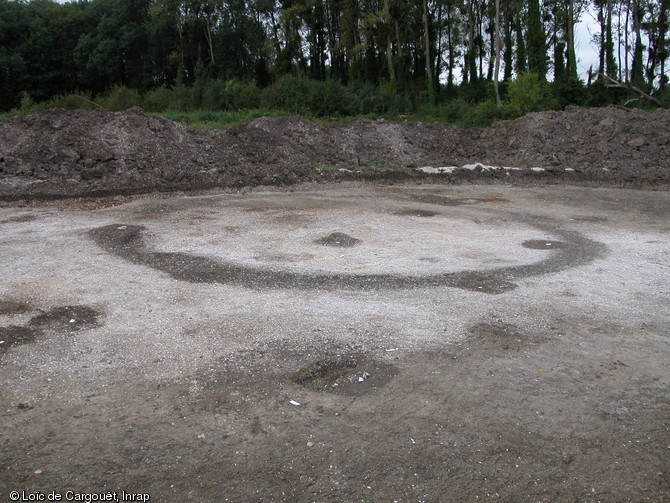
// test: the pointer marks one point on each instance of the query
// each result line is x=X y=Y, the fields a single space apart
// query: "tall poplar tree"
x=537 y=44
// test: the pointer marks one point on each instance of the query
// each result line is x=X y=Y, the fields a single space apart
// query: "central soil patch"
x=434 y=199
x=338 y=240
x=499 y=335
x=412 y=212
x=345 y=375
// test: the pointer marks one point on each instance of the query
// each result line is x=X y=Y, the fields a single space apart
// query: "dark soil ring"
x=126 y=241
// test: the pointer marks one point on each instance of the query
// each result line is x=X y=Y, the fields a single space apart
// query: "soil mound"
x=632 y=143
x=71 y=153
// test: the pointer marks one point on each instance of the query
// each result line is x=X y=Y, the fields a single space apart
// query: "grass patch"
x=206 y=119
x=381 y=164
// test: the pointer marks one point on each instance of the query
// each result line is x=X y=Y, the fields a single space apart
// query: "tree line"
x=431 y=49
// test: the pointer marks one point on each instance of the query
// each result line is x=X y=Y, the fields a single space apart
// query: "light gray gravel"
x=155 y=329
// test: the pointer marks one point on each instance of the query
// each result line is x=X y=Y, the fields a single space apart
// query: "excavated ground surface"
x=338 y=343
x=64 y=153
x=406 y=341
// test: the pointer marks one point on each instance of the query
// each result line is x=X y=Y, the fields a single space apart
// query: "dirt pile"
x=63 y=152
x=83 y=151
x=631 y=143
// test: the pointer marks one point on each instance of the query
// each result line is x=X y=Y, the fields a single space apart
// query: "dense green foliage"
x=217 y=104
x=322 y=58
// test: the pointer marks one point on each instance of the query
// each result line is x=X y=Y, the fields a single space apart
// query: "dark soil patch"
x=87 y=203
x=258 y=209
x=26 y=217
x=452 y=201
x=283 y=257
x=324 y=374
x=64 y=154
x=542 y=244
x=339 y=240
x=499 y=336
x=13 y=307
x=66 y=319
x=483 y=282
x=434 y=199
x=496 y=199
x=15 y=334
x=345 y=375
x=589 y=218
x=410 y=212
x=566 y=421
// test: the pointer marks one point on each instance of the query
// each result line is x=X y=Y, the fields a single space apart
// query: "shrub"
x=160 y=99
x=487 y=112
x=287 y=93
x=27 y=106
x=569 y=92
x=182 y=96
x=196 y=94
x=664 y=97
x=230 y=95
x=214 y=95
x=72 y=101
x=428 y=112
x=27 y=103
x=476 y=92
x=120 y=98
x=527 y=93
x=245 y=95
x=329 y=98
x=364 y=96
x=456 y=111
x=382 y=100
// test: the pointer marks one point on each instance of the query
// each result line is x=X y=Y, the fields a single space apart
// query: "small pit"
x=338 y=240
x=345 y=375
x=452 y=201
x=413 y=212
x=435 y=199
x=498 y=335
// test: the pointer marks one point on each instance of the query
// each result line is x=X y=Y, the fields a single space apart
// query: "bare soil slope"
x=61 y=153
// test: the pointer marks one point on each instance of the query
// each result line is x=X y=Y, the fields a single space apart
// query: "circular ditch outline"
x=126 y=241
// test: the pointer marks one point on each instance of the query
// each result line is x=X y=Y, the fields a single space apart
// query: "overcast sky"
x=587 y=52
